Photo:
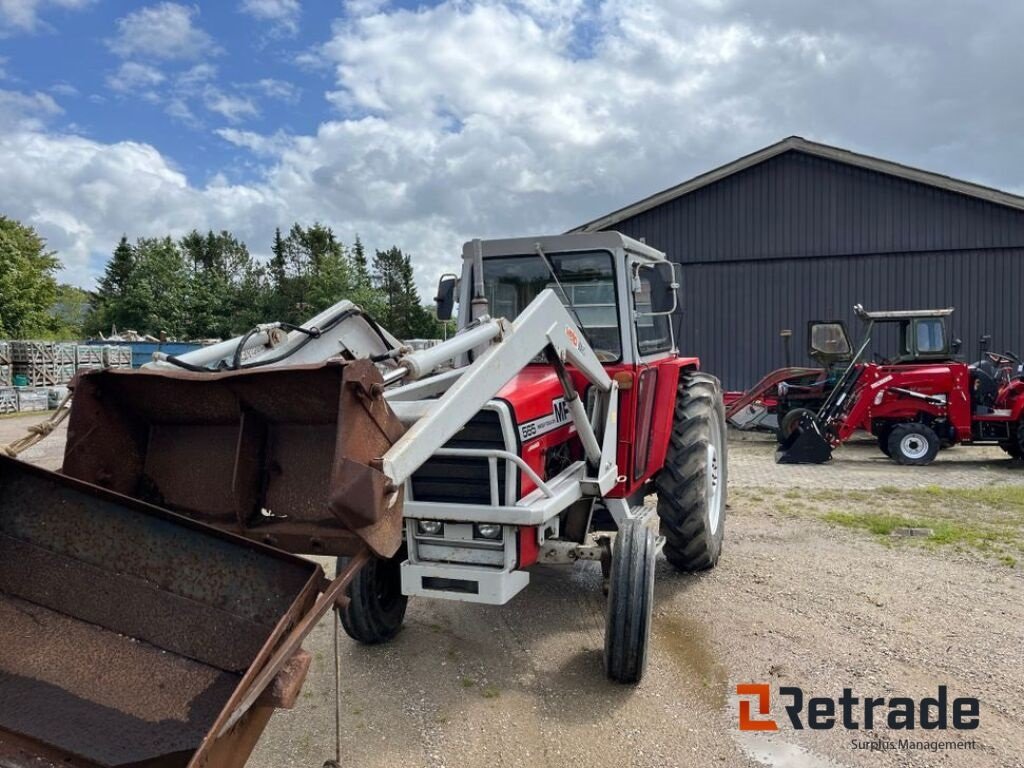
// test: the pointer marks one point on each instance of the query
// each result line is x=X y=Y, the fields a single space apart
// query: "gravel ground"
x=794 y=601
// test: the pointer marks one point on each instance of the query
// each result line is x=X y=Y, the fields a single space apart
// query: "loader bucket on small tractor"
x=806 y=444
x=130 y=636
x=285 y=456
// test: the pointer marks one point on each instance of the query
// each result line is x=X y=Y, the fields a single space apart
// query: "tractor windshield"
x=587 y=277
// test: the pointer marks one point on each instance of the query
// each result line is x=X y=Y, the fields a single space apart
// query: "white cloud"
x=23 y=15
x=232 y=107
x=64 y=89
x=283 y=14
x=26 y=111
x=281 y=90
x=132 y=77
x=162 y=31
x=267 y=146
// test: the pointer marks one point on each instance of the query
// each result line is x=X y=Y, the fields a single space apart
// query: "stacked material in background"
x=6 y=372
x=117 y=356
x=43 y=363
x=8 y=400
x=33 y=400
x=88 y=357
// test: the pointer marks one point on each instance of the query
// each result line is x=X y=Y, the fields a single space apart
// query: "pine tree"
x=362 y=267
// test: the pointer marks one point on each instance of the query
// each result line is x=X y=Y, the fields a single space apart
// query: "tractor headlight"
x=431 y=527
x=488 y=530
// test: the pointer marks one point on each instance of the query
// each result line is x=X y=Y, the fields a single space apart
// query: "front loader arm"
x=543 y=325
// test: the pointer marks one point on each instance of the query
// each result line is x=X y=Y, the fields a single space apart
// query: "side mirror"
x=656 y=287
x=445 y=298
x=955 y=346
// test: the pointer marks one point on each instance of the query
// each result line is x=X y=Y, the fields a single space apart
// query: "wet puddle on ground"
x=686 y=642
x=780 y=754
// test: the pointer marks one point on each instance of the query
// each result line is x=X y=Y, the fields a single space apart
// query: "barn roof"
x=812 y=148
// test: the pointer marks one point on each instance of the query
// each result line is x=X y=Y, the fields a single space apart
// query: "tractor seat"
x=984 y=388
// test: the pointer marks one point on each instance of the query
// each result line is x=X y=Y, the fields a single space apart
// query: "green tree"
x=69 y=312
x=403 y=313
x=309 y=271
x=28 y=286
x=226 y=291
x=110 y=309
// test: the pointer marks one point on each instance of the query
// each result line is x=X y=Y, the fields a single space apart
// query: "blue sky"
x=77 y=48
x=423 y=125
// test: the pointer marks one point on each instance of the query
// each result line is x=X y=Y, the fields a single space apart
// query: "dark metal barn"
x=802 y=231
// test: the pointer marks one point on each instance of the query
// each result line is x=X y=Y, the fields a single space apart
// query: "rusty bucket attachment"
x=286 y=456
x=806 y=444
x=130 y=636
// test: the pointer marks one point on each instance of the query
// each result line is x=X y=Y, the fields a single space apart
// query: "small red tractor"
x=919 y=401
x=534 y=435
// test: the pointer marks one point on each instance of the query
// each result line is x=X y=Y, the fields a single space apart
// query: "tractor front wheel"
x=883 y=439
x=376 y=606
x=630 y=596
x=789 y=422
x=913 y=443
x=691 y=486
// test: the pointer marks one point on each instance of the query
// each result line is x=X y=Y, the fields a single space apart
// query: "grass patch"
x=467 y=682
x=987 y=520
x=490 y=692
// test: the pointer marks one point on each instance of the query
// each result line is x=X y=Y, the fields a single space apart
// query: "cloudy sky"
x=422 y=125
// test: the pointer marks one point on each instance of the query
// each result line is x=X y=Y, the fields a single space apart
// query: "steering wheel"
x=604 y=356
x=1003 y=358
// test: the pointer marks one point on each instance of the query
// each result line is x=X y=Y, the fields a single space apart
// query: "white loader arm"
x=544 y=326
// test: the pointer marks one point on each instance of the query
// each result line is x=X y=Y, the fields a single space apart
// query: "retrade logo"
x=852 y=712
x=762 y=695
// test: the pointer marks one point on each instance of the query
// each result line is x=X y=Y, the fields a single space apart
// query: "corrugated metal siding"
x=800 y=237
x=733 y=312
x=799 y=205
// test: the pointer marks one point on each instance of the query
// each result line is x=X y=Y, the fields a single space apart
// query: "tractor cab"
x=828 y=343
x=922 y=335
x=620 y=292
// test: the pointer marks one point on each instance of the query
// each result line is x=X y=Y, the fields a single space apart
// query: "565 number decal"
x=558 y=417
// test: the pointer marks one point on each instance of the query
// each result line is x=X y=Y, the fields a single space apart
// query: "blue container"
x=142 y=351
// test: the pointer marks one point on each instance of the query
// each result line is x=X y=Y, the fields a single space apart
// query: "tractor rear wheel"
x=376 y=606
x=913 y=443
x=1015 y=446
x=691 y=487
x=630 y=596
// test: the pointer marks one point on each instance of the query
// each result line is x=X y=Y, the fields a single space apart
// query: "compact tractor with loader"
x=534 y=435
x=917 y=402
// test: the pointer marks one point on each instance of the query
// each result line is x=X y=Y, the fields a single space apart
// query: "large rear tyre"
x=1015 y=446
x=691 y=487
x=376 y=606
x=630 y=596
x=913 y=444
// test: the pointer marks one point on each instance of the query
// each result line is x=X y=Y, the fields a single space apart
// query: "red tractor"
x=535 y=435
x=917 y=402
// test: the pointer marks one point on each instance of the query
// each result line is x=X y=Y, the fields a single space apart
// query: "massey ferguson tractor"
x=917 y=402
x=534 y=435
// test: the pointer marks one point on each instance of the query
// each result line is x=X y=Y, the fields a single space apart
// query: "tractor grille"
x=464 y=480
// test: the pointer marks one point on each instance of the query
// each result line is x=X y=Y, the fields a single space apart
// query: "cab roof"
x=589 y=241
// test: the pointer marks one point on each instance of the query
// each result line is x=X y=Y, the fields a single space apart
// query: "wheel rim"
x=713 y=478
x=914 y=446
